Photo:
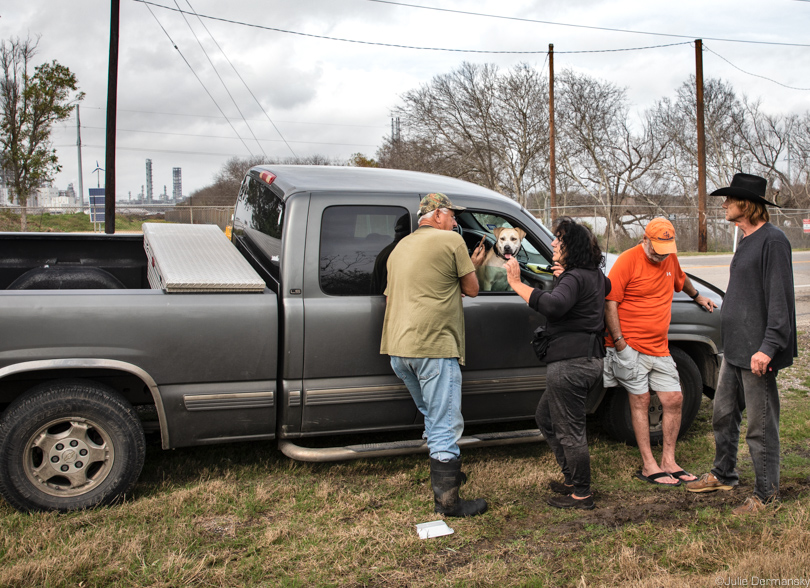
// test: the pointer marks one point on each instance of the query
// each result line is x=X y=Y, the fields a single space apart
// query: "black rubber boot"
x=446 y=477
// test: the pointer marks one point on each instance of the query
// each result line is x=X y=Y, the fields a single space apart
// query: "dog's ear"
x=521 y=234
x=497 y=232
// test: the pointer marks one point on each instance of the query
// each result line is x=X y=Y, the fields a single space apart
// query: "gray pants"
x=738 y=389
x=561 y=417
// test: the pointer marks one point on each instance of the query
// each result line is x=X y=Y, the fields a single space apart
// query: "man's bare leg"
x=639 y=412
x=672 y=403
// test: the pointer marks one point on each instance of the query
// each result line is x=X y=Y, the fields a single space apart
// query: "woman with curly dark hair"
x=574 y=310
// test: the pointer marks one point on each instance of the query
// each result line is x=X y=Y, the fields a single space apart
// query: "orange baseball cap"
x=661 y=234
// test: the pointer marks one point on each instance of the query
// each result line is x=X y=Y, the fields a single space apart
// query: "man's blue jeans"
x=435 y=385
x=739 y=389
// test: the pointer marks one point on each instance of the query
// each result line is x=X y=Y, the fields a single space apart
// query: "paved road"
x=714 y=269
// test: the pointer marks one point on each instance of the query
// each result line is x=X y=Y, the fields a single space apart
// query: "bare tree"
x=225 y=189
x=740 y=136
x=521 y=121
x=766 y=138
x=799 y=161
x=724 y=120
x=418 y=154
x=601 y=154
x=479 y=124
x=29 y=106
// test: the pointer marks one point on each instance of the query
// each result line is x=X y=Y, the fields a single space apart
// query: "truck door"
x=502 y=378
x=348 y=385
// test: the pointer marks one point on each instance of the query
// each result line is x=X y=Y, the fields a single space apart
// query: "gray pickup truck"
x=97 y=350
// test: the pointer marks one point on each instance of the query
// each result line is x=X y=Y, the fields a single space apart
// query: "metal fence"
x=720 y=233
x=198 y=215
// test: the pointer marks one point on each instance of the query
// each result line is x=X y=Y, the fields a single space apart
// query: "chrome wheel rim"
x=68 y=456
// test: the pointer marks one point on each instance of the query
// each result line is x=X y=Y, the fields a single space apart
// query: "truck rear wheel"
x=69 y=445
x=615 y=415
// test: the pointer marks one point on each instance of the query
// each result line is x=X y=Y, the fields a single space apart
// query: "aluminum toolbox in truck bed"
x=196 y=258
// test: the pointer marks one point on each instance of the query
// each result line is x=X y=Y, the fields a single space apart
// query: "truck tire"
x=615 y=414
x=69 y=445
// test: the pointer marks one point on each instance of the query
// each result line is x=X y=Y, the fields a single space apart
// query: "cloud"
x=334 y=98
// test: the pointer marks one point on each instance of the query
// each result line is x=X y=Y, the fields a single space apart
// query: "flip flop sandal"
x=653 y=479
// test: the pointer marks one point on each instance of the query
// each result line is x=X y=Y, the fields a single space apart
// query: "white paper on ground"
x=433 y=529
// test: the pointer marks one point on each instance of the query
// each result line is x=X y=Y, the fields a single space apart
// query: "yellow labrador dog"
x=492 y=274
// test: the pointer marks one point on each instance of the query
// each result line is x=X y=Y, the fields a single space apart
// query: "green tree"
x=360 y=160
x=29 y=107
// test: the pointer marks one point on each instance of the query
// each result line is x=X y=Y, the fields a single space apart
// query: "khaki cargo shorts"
x=639 y=373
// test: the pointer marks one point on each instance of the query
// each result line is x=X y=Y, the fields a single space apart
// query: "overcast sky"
x=334 y=98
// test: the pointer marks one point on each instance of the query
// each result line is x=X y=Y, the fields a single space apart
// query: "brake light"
x=267 y=177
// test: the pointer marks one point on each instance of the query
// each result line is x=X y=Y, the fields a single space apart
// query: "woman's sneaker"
x=707 y=483
x=571 y=502
x=561 y=488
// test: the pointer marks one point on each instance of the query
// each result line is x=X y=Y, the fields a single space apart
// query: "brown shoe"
x=707 y=483
x=752 y=505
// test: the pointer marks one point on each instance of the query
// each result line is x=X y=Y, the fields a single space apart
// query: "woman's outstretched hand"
x=513 y=272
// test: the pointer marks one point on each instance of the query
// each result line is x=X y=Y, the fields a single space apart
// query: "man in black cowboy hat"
x=759 y=339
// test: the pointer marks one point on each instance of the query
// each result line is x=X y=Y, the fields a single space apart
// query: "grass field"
x=69 y=223
x=244 y=515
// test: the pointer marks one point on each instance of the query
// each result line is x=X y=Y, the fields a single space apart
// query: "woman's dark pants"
x=561 y=417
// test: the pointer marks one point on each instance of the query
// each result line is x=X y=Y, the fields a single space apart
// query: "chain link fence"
x=720 y=233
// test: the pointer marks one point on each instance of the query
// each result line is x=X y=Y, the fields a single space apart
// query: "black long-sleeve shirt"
x=759 y=309
x=574 y=308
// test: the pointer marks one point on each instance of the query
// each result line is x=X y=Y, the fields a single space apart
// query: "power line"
x=629 y=49
x=224 y=85
x=609 y=29
x=292 y=122
x=231 y=153
x=198 y=77
x=753 y=74
x=218 y=136
x=243 y=81
x=396 y=46
x=150 y=150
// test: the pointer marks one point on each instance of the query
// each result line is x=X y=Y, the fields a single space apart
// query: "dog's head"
x=508 y=241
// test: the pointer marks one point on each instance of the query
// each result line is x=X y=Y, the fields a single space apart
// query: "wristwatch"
x=697 y=293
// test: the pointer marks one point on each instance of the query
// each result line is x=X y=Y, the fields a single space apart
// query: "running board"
x=368 y=450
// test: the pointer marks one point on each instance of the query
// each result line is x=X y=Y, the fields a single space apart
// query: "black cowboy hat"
x=746 y=187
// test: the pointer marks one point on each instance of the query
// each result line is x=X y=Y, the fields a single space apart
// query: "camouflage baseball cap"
x=435 y=201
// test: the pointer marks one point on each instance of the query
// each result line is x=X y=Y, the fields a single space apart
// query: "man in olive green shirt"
x=423 y=332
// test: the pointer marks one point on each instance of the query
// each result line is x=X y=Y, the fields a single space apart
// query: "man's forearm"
x=689 y=288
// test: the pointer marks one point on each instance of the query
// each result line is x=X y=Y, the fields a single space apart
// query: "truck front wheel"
x=69 y=445
x=615 y=413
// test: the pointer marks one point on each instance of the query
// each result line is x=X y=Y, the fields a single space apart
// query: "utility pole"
x=701 y=147
x=112 y=106
x=552 y=155
x=79 y=147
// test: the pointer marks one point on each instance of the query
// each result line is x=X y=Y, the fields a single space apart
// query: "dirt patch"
x=673 y=506
x=219 y=526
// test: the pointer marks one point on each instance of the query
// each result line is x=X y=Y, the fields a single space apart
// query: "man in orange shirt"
x=637 y=314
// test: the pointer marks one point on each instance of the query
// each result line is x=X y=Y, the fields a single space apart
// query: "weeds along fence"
x=720 y=233
x=197 y=215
